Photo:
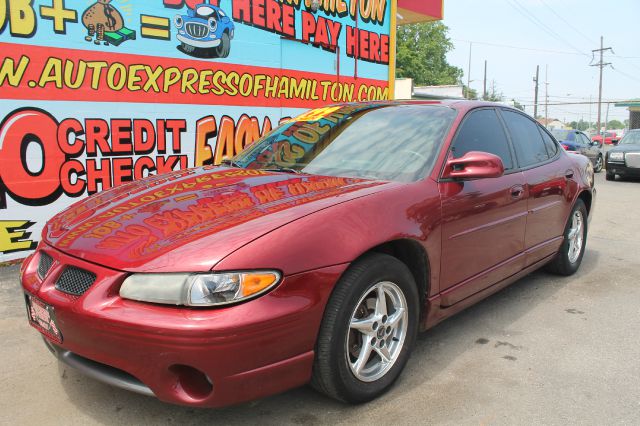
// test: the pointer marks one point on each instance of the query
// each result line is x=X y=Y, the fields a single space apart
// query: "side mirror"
x=474 y=165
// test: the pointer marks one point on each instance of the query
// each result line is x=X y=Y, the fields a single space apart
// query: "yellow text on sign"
x=14 y=236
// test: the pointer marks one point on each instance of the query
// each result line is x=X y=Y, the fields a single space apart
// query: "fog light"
x=193 y=382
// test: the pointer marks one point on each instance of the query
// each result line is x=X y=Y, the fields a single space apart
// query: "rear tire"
x=368 y=330
x=569 y=257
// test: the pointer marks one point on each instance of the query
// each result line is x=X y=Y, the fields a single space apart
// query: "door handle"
x=517 y=191
x=568 y=174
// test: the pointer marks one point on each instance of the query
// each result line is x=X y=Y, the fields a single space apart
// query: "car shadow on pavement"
x=488 y=325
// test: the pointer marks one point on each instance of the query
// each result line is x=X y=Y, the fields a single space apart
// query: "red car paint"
x=308 y=227
x=610 y=138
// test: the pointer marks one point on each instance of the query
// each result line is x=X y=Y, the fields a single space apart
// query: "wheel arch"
x=587 y=199
x=415 y=257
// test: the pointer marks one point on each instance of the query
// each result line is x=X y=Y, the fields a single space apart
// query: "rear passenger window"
x=482 y=131
x=549 y=143
x=527 y=141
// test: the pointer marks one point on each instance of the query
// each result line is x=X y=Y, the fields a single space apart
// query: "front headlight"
x=616 y=156
x=178 y=21
x=208 y=289
x=213 y=24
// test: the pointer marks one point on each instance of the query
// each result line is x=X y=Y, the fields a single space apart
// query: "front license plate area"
x=42 y=317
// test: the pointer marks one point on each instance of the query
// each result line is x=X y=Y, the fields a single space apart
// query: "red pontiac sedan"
x=316 y=255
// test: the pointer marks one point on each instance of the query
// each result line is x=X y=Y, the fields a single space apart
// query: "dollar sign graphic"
x=111 y=21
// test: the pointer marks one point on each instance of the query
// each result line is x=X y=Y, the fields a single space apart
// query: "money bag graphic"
x=101 y=17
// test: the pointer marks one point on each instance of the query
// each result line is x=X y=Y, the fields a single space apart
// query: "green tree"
x=579 y=125
x=469 y=93
x=517 y=105
x=615 y=124
x=422 y=55
x=493 y=95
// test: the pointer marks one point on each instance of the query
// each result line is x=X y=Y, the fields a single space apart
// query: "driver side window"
x=585 y=140
x=482 y=131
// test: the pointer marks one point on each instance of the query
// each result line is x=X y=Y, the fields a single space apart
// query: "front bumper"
x=202 y=44
x=197 y=357
x=620 y=168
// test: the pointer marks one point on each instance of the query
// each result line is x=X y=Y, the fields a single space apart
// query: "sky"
x=514 y=36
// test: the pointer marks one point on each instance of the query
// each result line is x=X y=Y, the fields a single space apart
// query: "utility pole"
x=601 y=65
x=546 y=96
x=535 y=102
x=469 y=73
x=484 y=93
x=590 y=106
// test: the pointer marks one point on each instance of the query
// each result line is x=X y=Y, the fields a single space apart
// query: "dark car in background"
x=579 y=142
x=624 y=159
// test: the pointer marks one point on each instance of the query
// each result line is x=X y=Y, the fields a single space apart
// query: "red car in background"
x=610 y=138
x=316 y=255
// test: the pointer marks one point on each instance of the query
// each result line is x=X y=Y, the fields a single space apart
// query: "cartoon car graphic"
x=206 y=31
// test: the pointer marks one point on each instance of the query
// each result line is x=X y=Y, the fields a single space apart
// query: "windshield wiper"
x=285 y=170
x=228 y=162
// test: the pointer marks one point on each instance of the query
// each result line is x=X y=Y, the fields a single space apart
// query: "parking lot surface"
x=547 y=350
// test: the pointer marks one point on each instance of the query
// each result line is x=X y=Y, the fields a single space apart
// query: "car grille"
x=44 y=264
x=632 y=159
x=196 y=30
x=75 y=281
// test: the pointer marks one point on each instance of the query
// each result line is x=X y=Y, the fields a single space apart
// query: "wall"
x=93 y=94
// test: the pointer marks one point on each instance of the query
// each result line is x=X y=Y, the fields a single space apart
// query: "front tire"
x=569 y=257
x=222 y=51
x=368 y=330
x=599 y=164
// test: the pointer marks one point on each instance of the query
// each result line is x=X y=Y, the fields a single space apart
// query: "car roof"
x=457 y=104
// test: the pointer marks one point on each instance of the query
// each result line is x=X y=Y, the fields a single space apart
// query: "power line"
x=625 y=60
x=582 y=103
x=567 y=22
x=532 y=49
x=625 y=74
x=541 y=25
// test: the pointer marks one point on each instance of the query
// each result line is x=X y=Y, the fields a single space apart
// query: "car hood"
x=190 y=220
x=625 y=148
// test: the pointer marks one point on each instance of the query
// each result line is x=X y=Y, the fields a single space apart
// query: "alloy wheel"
x=377 y=331
x=576 y=236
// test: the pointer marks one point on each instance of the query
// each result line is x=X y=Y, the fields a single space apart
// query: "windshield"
x=382 y=142
x=631 y=138
x=563 y=135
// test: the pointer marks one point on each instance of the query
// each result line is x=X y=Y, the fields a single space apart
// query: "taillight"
x=566 y=147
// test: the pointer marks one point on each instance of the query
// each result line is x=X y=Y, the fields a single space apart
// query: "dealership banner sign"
x=97 y=93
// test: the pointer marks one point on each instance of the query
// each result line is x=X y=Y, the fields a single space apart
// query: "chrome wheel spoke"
x=363 y=356
x=381 y=301
x=384 y=353
x=365 y=326
x=395 y=317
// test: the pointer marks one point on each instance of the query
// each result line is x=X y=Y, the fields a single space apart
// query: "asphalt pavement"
x=547 y=350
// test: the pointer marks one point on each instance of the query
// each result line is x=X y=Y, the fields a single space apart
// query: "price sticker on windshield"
x=317 y=114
